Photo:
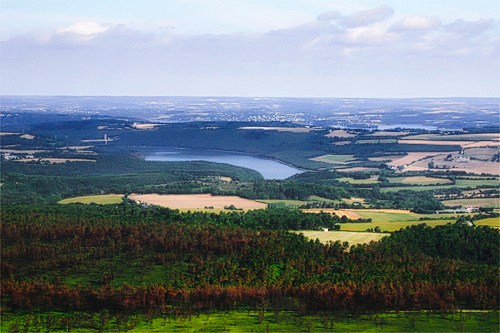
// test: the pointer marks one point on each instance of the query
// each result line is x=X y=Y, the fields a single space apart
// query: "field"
x=196 y=201
x=478 y=164
x=145 y=126
x=418 y=180
x=388 y=133
x=393 y=226
x=20 y=151
x=286 y=202
x=376 y=141
x=313 y=198
x=460 y=183
x=358 y=181
x=343 y=236
x=463 y=144
x=336 y=159
x=493 y=222
x=106 y=199
x=458 y=137
x=261 y=321
x=389 y=226
x=475 y=202
x=358 y=169
x=340 y=134
x=412 y=158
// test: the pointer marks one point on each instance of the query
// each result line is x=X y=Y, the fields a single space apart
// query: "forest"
x=125 y=258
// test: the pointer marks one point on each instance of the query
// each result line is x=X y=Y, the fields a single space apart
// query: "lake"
x=269 y=169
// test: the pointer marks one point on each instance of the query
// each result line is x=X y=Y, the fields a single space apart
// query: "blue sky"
x=295 y=48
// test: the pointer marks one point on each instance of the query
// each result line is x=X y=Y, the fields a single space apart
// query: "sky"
x=280 y=48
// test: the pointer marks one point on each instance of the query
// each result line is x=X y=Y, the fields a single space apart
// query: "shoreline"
x=264 y=157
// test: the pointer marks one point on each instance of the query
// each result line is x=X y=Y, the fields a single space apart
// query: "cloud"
x=331 y=55
x=471 y=28
x=367 y=17
x=83 y=28
x=329 y=16
x=415 y=22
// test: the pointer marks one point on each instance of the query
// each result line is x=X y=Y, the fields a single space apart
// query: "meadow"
x=196 y=201
x=257 y=321
x=104 y=199
x=336 y=159
x=343 y=236
x=478 y=202
x=358 y=181
x=460 y=183
x=418 y=180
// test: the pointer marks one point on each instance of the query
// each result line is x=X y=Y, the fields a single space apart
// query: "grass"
x=460 y=183
x=105 y=199
x=358 y=181
x=376 y=141
x=393 y=226
x=343 y=236
x=390 y=226
x=335 y=158
x=286 y=202
x=398 y=216
x=479 y=202
x=418 y=180
x=458 y=137
x=493 y=222
x=257 y=321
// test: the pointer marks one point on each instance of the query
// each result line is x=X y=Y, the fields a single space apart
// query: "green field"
x=257 y=321
x=293 y=203
x=493 y=222
x=375 y=141
x=403 y=216
x=418 y=180
x=389 y=226
x=337 y=158
x=343 y=236
x=460 y=183
x=458 y=137
x=477 y=202
x=391 y=221
x=393 y=226
x=358 y=181
x=105 y=199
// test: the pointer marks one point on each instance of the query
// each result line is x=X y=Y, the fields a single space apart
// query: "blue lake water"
x=269 y=169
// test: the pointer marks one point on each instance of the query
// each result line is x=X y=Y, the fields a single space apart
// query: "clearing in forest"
x=475 y=202
x=343 y=236
x=336 y=159
x=349 y=213
x=419 y=180
x=105 y=199
x=196 y=201
x=340 y=134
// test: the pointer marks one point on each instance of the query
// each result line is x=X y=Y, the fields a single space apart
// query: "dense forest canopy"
x=63 y=258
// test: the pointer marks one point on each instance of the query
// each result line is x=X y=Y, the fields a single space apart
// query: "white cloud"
x=471 y=28
x=416 y=23
x=83 y=28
